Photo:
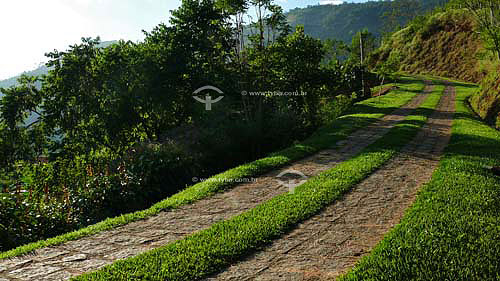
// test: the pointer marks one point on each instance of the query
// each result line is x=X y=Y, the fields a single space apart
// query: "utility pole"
x=362 y=68
x=361 y=45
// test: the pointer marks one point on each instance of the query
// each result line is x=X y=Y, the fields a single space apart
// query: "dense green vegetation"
x=341 y=22
x=120 y=124
x=361 y=114
x=210 y=250
x=451 y=232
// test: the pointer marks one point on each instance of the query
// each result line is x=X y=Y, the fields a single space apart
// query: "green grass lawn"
x=452 y=232
x=212 y=249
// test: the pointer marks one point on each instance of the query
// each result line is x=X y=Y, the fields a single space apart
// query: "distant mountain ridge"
x=41 y=70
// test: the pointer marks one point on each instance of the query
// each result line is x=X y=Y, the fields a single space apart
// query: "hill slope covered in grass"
x=487 y=102
x=443 y=44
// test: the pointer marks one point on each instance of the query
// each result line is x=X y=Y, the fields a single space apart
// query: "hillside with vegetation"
x=342 y=21
x=487 y=103
x=41 y=70
x=449 y=43
x=203 y=153
x=442 y=44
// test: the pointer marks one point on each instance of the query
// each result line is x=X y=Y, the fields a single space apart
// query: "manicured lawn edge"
x=452 y=231
x=212 y=249
x=372 y=109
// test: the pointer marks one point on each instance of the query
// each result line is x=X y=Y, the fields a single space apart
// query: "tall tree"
x=299 y=60
x=20 y=140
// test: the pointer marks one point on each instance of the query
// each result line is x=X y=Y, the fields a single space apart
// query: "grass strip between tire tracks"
x=452 y=231
x=210 y=250
x=362 y=114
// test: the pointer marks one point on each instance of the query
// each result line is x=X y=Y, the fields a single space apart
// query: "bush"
x=331 y=109
x=63 y=195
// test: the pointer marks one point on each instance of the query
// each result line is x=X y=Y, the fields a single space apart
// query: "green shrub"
x=331 y=109
x=60 y=196
x=247 y=140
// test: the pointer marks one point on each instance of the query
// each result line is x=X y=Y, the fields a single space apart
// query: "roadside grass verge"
x=449 y=81
x=452 y=231
x=361 y=114
x=210 y=250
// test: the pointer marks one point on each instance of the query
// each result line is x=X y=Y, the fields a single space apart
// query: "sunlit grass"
x=360 y=115
x=452 y=232
x=211 y=250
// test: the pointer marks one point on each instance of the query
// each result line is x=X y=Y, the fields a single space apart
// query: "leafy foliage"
x=111 y=122
x=486 y=13
x=486 y=102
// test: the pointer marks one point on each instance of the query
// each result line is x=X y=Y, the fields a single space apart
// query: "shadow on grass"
x=445 y=81
x=406 y=80
x=462 y=84
x=368 y=109
x=474 y=145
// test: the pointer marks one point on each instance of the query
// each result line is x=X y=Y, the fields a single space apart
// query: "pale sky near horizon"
x=31 y=28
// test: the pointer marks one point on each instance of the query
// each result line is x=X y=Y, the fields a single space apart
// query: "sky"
x=31 y=28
